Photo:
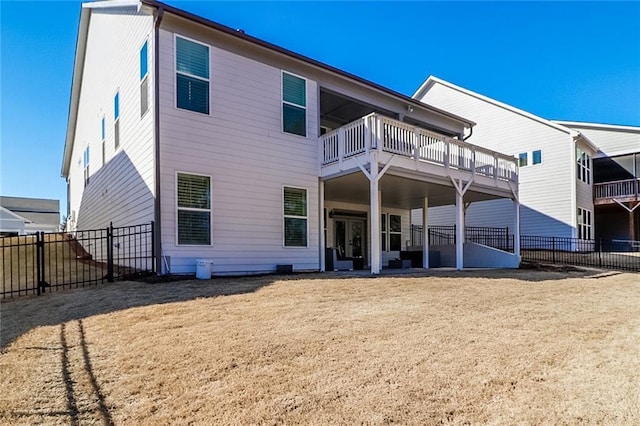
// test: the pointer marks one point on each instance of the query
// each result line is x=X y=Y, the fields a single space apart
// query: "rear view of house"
x=254 y=156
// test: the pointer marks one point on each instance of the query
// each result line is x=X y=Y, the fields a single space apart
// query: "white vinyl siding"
x=122 y=191
x=543 y=212
x=192 y=75
x=240 y=144
x=193 y=209
x=296 y=220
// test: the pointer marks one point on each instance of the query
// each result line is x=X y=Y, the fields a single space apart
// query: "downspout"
x=469 y=135
x=156 y=131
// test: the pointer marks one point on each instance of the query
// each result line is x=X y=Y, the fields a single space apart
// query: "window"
x=536 y=157
x=144 y=79
x=395 y=232
x=192 y=75
x=194 y=209
x=584 y=224
x=85 y=166
x=583 y=166
x=103 y=132
x=294 y=104
x=383 y=228
x=295 y=217
x=116 y=120
x=523 y=159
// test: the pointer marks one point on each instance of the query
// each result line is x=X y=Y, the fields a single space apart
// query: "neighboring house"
x=616 y=177
x=254 y=156
x=556 y=165
x=22 y=216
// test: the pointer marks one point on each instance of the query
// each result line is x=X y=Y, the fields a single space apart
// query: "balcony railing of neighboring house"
x=621 y=190
x=377 y=132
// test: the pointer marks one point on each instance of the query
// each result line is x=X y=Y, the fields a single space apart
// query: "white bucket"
x=203 y=269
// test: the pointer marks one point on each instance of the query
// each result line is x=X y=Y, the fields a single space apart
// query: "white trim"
x=611 y=127
x=282 y=101
x=111 y=4
x=306 y=192
x=210 y=209
x=176 y=72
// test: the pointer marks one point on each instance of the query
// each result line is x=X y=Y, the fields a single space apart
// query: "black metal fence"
x=443 y=235
x=606 y=254
x=31 y=264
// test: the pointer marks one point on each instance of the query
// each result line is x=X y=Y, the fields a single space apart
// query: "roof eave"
x=242 y=36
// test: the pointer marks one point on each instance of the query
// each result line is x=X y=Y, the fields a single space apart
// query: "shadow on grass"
x=19 y=315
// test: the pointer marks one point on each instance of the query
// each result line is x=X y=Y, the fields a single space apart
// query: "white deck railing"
x=617 y=189
x=377 y=132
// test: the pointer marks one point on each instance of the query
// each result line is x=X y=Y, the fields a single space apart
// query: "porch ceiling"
x=397 y=191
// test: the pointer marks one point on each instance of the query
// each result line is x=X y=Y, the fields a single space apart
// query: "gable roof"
x=8 y=213
x=165 y=8
x=432 y=80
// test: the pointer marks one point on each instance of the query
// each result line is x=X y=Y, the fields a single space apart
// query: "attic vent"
x=240 y=30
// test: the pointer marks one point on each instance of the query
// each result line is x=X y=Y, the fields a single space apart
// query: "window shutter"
x=192 y=58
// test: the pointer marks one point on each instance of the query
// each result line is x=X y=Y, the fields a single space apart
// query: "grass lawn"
x=500 y=347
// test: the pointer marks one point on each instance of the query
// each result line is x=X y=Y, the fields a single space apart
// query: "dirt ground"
x=497 y=347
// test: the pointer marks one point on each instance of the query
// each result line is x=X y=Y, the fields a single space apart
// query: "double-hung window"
x=194 y=209
x=584 y=224
x=294 y=104
x=116 y=120
x=85 y=165
x=192 y=75
x=395 y=232
x=383 y=231
x=104 y=137
x=144 y=78
x=583 y=166
x=295 y=217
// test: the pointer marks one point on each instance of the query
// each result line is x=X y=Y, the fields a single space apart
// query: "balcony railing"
x=620 y=189
x=377 y=132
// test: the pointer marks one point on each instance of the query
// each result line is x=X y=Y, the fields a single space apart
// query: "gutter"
x=305 y=59
x=156 y=130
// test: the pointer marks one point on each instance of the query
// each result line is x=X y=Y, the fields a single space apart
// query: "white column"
x=459 y=231
x=516 y=233
x=323 y=225
x=375 y=226
x=425 y=233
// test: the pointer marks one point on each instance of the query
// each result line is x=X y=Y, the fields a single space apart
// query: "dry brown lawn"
x=499 y=347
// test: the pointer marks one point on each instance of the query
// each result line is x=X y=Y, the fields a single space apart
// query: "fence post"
x=37 y=260
x=110 y=253
x=153 y=247
x=506 y=235
x=600 y=253
x=553 y=250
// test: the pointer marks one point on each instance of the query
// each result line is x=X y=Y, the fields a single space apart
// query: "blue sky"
x=575 y=61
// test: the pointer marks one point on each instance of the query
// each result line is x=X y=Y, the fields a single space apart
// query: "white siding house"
x=616 y=172
x=554 y=190
x=254 y=156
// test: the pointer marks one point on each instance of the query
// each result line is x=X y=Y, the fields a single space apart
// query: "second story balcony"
x=416 y=149
x=623 y=191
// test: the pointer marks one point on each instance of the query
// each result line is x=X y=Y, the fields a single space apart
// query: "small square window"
x=536 y=157
x=523 y=159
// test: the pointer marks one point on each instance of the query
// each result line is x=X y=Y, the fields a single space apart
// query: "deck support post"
x=323 y=225
x=516 y=233
x=375 y=224
x=425 y=233
x=461 y=189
